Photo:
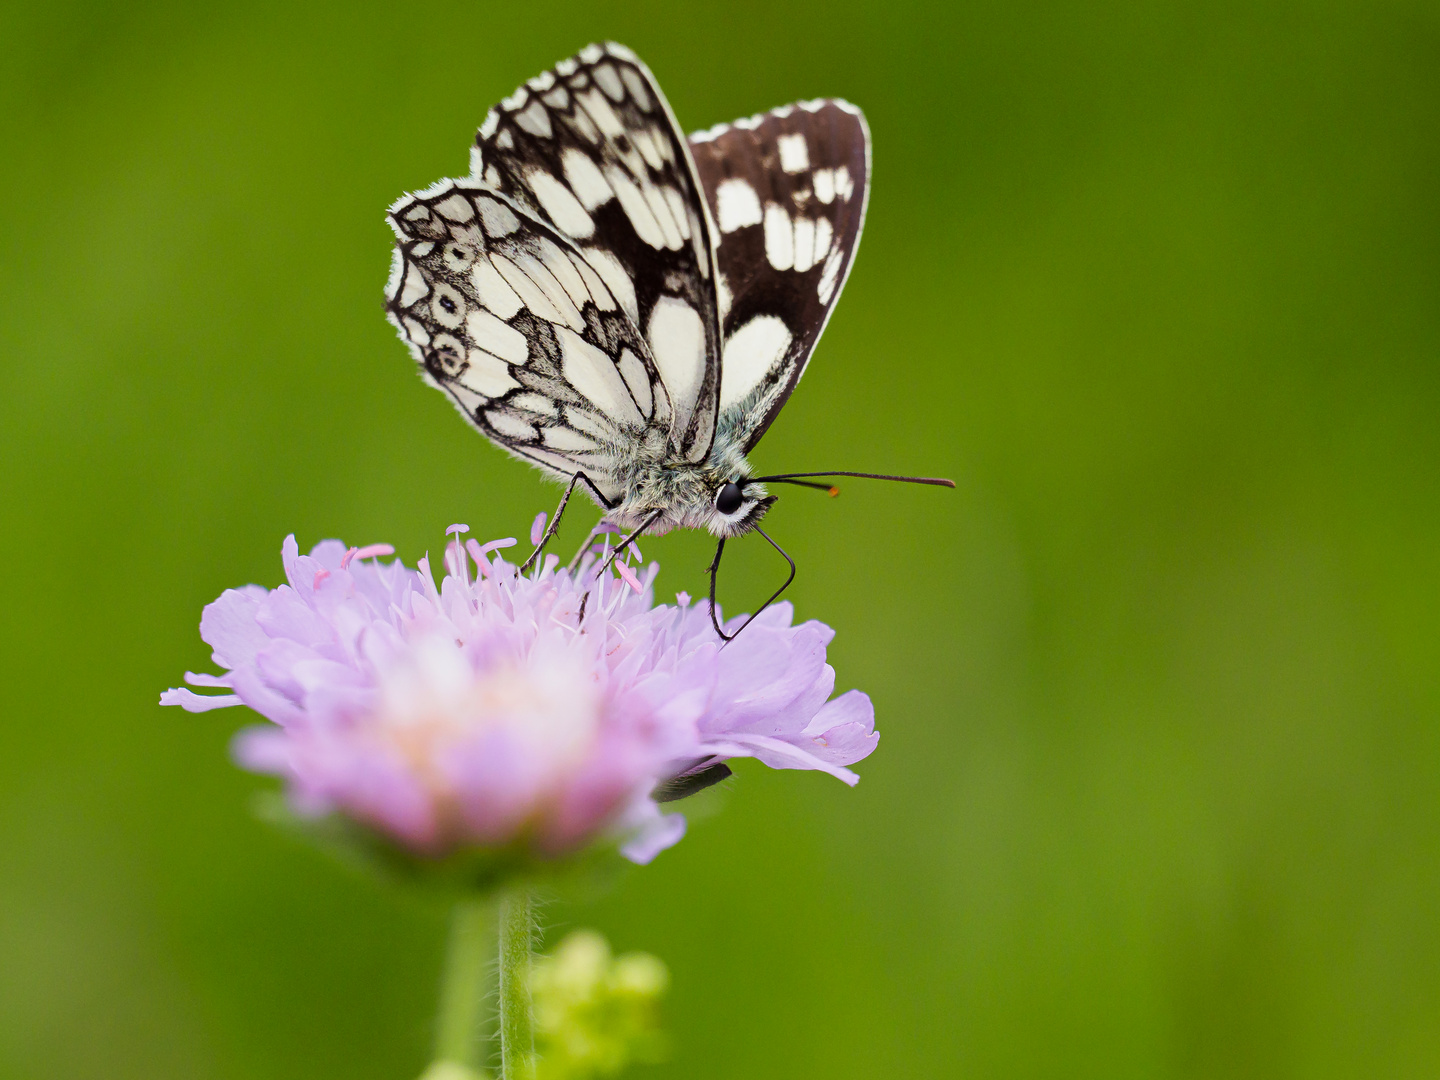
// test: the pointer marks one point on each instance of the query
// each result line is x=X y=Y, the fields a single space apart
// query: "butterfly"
x=629 y=309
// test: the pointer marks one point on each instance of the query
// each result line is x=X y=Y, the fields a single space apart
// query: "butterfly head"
x=737 y=505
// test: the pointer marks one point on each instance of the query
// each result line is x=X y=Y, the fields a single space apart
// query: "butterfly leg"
x=618 y=548
x=714 y=571
x=584 y=547
x=559 y=512
x=631 y=538
x=554 y=524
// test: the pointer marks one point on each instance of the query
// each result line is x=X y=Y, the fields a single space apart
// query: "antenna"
x=799 y=479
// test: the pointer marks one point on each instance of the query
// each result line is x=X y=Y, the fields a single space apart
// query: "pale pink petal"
x=778 y=754
x=193 y=702
x=654 y=834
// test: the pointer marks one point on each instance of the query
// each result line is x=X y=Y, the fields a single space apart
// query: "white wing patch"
x=497 y=337
x=737 y=205
x=751 y=353
x=560 y=205
x=794 y=156
x=492 y=289
x=585 y=179
x=598 y=379
x=634 y=374
x=677 y=342
x=779 y=237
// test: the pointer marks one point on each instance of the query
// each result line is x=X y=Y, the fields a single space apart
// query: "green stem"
x=517 y=1031
x=463 y=993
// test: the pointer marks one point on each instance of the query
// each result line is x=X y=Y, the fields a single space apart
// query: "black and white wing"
x=788 y=191
x=593 y=150
x=532 y=344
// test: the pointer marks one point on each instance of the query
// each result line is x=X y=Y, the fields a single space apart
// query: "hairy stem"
x=466 y=985
x=517 y=1032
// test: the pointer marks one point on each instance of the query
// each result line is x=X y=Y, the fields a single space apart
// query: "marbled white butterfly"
x=626 y=308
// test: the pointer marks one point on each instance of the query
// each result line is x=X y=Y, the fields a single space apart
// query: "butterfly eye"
x=729 y=498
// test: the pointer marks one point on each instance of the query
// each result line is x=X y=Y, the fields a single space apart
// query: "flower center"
x=537 y=719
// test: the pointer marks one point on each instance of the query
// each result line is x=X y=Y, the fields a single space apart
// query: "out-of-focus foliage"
x=1158 y=788
x=450 y=1070
x=595 y=1013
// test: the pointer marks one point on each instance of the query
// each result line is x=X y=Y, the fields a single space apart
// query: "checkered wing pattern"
x=787 y=191
x=592 y=150
x=528 y=339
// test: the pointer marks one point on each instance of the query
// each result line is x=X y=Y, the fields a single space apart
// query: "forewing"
x=787 y=191
x=592 y=149
x=532 y=345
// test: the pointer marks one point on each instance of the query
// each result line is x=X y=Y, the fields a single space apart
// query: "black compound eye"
x=729 y=498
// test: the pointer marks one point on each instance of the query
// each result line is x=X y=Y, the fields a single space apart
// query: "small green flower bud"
x=594 y=1013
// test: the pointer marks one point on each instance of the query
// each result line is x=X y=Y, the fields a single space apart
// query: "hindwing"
x=524 y=333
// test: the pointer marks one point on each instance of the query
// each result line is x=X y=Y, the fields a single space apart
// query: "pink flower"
x=487 y=713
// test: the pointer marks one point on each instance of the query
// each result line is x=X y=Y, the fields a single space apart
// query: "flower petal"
x=193 y=702
x=655 y=835
x=844 y=730
x=779 y=754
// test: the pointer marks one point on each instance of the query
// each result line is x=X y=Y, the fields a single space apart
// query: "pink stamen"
x=629 y=576
x=320 y=575
x=496 y=545
x=371 y=551
x=477 y=553
x=455 y=561
x=345 y=559
x=537 y=530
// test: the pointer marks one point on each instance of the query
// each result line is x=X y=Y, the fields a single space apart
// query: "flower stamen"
x=629 y=576
x=455 y=554
x=369 y=551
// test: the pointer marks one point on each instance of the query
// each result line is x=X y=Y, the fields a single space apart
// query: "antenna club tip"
x=834 y=491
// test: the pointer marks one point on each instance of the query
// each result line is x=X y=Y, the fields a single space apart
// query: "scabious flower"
x=535 y=711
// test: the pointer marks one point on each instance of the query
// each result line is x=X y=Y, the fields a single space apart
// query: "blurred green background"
x=1159 y=284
